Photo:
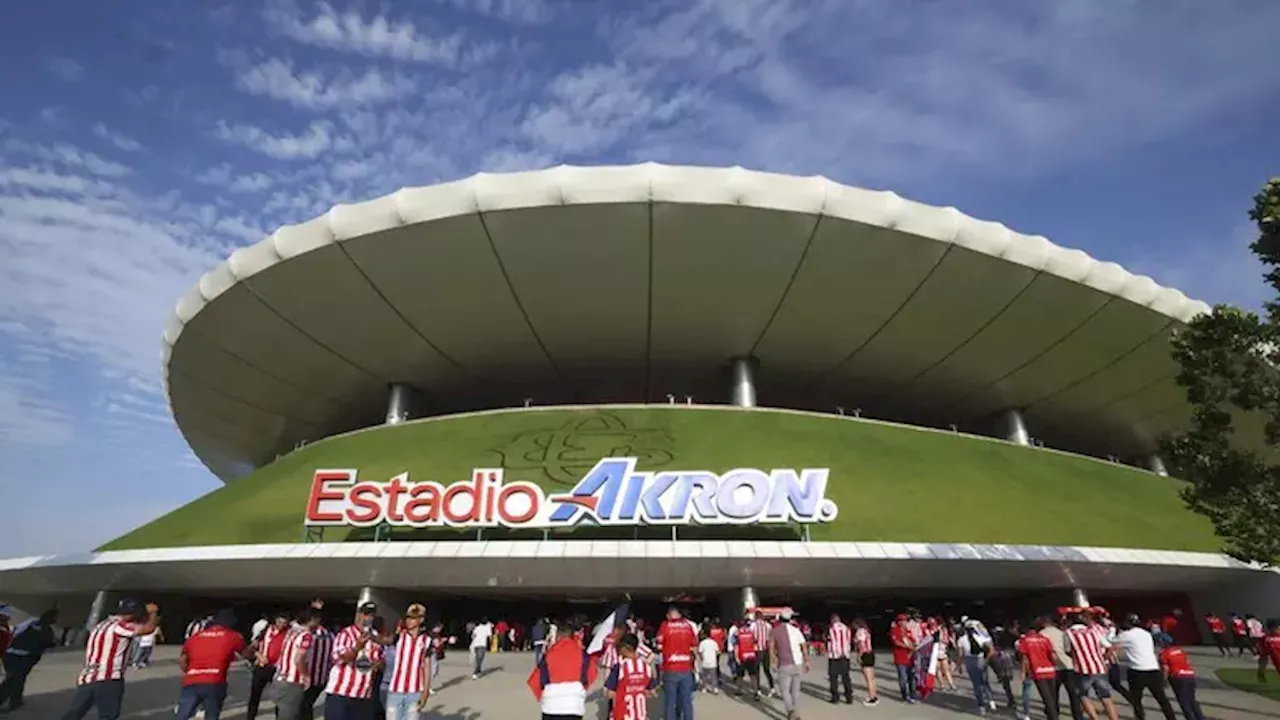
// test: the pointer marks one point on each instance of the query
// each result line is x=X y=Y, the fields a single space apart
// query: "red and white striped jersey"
x=297 y=646
x=839 y=641
x=107 y=650
x=412 y=653
x=1256 y=630
x=1088 y=649
x=321 y=657
x=761 y=628
x=353 y=679
x=609 y=656
x=862 y=640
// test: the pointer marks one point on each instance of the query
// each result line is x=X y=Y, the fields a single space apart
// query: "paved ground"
x=501 y=694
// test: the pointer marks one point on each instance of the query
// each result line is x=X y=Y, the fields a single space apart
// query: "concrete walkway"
x=501 y=694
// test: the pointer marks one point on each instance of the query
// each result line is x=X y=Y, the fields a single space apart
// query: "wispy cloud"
x=65 y=69
x=119 y=140
x=316 y=139
x=377 y=36
x=277 y=79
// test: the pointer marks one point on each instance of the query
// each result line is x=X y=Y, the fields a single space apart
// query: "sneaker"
x=871 y=702
x=475 y=676
x=992 y=704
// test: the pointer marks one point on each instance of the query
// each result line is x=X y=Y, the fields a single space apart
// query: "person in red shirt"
x=500 y=629
x=204 y=661
x=904 y=647
x=1269 y=649
x=1240 y=634
x=1218 y=630
x=746 y=655
x=266 y=654
x=1182 y=678
x=718 y=634
x=1038 y=664
x=677 y=638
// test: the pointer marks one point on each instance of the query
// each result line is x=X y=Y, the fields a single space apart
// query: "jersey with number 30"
x=630 y=681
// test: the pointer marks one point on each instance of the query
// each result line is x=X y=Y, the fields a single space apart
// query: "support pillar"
x=1155 y=464
x=399 y=403
x=1080 y=598
x=742 y=371
x=1014 y=428
x=391 y=603
x=734 y=604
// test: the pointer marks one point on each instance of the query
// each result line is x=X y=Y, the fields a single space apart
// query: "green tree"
x=1230 y=359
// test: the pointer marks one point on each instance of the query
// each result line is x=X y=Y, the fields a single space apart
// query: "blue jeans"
x=142 y=655
x=435 y=670
x=402 y=706
x=1026 y=695
x=208 y=697
x=976 y=669
x=477 y=660
x=677 y=695
x=106 y=696
x=337 y=707
x=906 y=681
x=538 y=647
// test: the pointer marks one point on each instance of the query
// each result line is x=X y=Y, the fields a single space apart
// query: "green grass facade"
x=892 y=483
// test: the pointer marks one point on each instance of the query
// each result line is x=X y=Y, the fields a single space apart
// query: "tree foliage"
x=1230 y=369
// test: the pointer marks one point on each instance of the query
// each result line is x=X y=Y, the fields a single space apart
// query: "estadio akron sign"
x=611 y=493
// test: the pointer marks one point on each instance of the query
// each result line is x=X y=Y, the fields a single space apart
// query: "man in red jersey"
x=1182 y=678
x=293 y=671
x=356 y=655
x=1269 y=650
x=204 y=661
x=101 y=683
x=746 y=655
x=904 y=647
x=631 y=682
x=266 y=654
x=1038 y=664
x=1218 y=630
x=677 y=639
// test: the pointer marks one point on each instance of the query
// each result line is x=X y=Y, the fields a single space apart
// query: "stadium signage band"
x=613 y=492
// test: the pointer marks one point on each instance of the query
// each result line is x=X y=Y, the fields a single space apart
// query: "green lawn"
x=1247 y=679
x=882 y=477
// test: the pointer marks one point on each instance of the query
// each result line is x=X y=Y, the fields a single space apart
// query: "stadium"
x=725 y=386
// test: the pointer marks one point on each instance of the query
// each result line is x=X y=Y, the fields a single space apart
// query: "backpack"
x=975 y=646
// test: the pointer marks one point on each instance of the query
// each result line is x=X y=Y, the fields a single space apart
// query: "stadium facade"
x=733 y=367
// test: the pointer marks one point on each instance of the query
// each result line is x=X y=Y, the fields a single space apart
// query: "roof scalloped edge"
x=653 y=182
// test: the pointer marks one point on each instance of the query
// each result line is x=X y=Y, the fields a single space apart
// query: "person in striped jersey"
x=410 y=678
x=293 y=669
x=101 y=684
x=631 y=682
x=866 y=659
x=1090 y=649
x=839 y=653
x=356 y=656
x=761 y=627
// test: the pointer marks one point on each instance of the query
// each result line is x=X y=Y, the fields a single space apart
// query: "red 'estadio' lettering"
x=319 y=493
x=366 y=503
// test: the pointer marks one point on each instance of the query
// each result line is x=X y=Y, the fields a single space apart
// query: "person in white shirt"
x=709 y=664
x=1137 y=649
x=976 y=648
x=480 y=636
x=143 y=646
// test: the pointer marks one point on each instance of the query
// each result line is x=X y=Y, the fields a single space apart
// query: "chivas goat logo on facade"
x=611 y=493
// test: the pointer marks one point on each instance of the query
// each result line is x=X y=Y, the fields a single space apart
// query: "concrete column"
x=399 y=403
x=1080 y=598
x=742 y=372
x=104 y=603
x=1155 y=464
x=735 y=603
x=391 y=603
x=1014 y=428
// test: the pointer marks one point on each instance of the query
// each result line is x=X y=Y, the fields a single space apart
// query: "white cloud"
x=276 y=78
x=28 y=418
x=121 y=141
x=520 y=11
x=69 y=156
x=378 y=36
x=34 y=178
x=309 y=144
x=65 y=69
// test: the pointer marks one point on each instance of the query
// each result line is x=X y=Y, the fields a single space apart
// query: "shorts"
x=867 y=659
x=749 y=667
x=1095 y=684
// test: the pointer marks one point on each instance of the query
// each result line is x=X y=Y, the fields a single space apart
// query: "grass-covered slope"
x=891 y=483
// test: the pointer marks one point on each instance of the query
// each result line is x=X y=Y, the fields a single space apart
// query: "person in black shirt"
x=30 y=641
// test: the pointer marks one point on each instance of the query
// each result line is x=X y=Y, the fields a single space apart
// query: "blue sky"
x=141 y=142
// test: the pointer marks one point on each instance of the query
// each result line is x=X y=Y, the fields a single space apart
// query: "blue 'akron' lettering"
x=614 y=493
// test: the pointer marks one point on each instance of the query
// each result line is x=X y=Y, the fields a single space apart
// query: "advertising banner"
x=613 y=492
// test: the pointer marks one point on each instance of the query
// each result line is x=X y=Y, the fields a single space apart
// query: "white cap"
x=786 y=614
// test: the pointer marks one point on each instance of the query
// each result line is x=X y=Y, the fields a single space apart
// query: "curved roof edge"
x=656 y=183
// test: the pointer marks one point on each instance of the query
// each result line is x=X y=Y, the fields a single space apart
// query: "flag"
x=926 y=668
x=600 y=634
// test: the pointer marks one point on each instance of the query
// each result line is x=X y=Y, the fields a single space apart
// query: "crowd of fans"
x=373 y=668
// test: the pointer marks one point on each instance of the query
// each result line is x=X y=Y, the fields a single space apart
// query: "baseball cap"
x=786 y=614
x=130 y=607
x=368 y=608
x=415 y=610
